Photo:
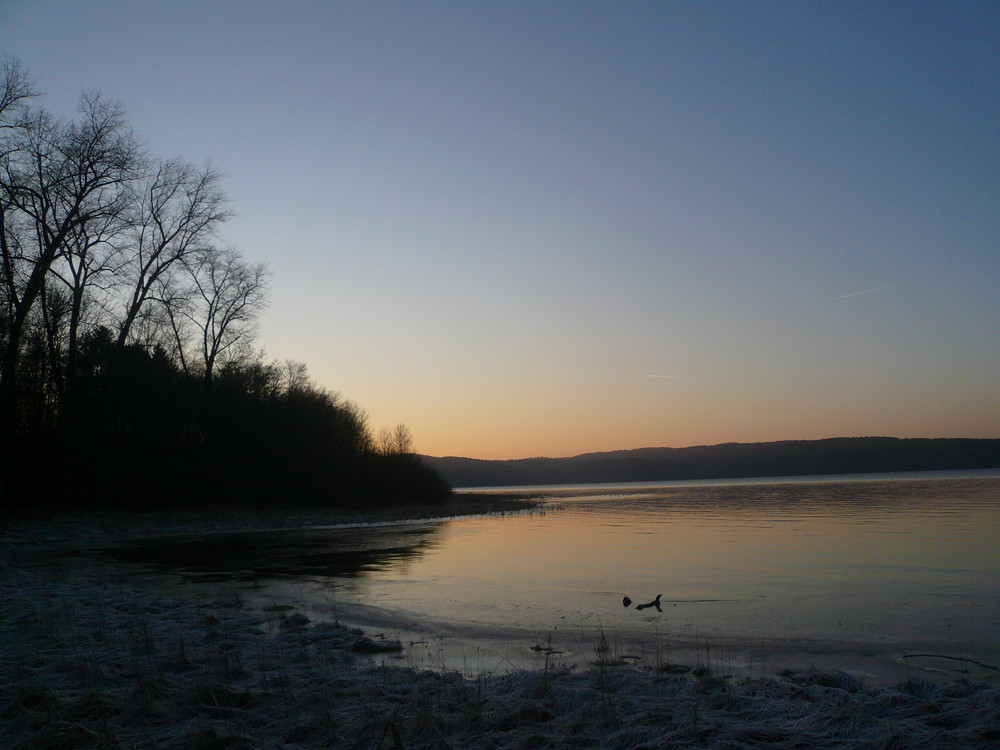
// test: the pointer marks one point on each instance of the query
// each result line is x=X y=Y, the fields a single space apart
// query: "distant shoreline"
x=790 y=458
x=885 y=476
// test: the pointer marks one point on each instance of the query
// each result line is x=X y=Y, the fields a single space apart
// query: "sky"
x=549 y=228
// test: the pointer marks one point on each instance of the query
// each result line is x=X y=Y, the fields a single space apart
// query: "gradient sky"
x=547 y=228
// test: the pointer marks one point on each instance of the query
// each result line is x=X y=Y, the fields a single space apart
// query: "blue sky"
x=496 y=222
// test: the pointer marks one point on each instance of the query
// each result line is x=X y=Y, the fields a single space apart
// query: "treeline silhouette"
x=129 y=377
x=729 y=460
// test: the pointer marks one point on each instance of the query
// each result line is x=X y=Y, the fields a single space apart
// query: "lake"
x=888 y=576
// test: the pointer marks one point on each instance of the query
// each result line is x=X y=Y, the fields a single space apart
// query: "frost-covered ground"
x=90 y=658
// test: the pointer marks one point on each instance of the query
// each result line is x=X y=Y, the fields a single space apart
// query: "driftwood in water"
x=654 y=603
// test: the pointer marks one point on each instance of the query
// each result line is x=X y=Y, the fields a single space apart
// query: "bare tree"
x=176 y=212
x=294 y=376
x=16 y=88
x=229 y=295
x=54 y=306
x=15 y=91
x=176 y=301
x=384 y=444
x=403 y=439
x=395 y=442
x=89 y=261
x=55 y=178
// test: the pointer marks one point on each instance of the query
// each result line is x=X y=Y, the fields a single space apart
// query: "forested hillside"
x=787 y=458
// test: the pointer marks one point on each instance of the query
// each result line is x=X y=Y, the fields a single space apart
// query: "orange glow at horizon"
x=512 y=442
x=571 y=423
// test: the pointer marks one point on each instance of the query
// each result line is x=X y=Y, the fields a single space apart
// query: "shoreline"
x=91 y=658
x=97 y=526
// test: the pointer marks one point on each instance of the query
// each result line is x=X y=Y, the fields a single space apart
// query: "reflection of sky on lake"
x=839 y=569
x=311 y=552
x=896 y=563
x=894 y=560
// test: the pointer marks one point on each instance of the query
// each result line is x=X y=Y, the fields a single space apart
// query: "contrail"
x=869 y=291
x=666 y=377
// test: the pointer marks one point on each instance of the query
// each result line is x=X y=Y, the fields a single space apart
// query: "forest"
x=129 y=372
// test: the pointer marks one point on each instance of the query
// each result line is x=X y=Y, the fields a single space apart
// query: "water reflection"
x=837 y=570
x=286 y=553
x=892 y=567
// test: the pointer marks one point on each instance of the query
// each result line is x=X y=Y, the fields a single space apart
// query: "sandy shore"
x=91 y=659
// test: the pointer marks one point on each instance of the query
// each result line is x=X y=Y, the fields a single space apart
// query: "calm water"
x=863 y=573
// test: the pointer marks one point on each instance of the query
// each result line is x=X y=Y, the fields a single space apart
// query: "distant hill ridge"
x=728 y=460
